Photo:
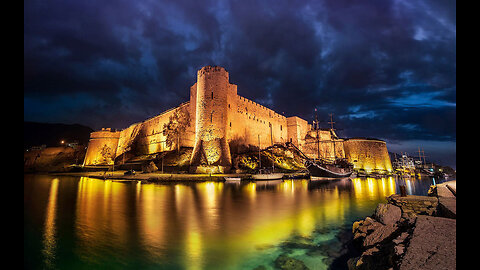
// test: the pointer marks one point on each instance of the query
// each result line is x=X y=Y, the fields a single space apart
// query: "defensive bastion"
x=218 y=120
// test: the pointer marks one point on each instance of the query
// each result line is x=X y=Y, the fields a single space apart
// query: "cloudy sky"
x=385 y=69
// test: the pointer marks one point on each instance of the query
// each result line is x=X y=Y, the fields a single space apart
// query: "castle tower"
x=211 y=153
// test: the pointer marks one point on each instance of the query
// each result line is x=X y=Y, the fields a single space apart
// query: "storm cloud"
x=385 y=69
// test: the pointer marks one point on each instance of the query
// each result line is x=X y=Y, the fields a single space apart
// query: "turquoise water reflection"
x=79 y=222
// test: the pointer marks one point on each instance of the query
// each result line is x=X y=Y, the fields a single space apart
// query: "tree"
x=177 y=124
x=106 y=154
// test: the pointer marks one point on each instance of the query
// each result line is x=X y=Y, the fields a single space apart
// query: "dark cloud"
x=386 y=69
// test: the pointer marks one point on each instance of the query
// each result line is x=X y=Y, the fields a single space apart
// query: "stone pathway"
x=433 y=244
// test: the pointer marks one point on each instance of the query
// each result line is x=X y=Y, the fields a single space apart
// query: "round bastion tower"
x=211 y=153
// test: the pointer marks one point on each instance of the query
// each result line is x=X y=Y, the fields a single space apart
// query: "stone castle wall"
x=147 y=137
x=368 y=154
x=102 y=147
x=252 y=124
x=142 y=138
x=221 y=119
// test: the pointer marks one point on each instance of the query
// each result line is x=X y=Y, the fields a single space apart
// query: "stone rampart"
x=102 y=147
x=219 y=120
x=252 y=122
x=147 y=137
x=370 y=155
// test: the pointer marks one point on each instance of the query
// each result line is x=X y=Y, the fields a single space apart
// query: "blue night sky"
x=385 y=69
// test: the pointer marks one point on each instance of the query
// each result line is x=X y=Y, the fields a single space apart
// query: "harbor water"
x=86 y=223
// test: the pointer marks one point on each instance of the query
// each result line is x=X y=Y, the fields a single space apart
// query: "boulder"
x=288 y=263
x=378 y=235
x=387 y=214
x=149 y=167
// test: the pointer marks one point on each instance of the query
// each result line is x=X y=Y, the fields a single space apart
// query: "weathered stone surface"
x=432 y=246
x=452 y=185
x=356 y=224
x=387 y=214
x=401 y=238
x=380 y=233
x=448 y=207
x=412 y=204
x=444 y=191
x=399 y=250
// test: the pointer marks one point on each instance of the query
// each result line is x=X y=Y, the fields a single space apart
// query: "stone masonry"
x=220 y=118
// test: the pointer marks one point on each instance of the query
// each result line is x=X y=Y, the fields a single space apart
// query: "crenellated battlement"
x=210 y=70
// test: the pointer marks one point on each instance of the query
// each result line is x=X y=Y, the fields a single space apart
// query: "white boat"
x=317 y=178
x=232 y=178
x=267 y=176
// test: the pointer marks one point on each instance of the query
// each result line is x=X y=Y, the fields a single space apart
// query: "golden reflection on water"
x=209 y=223
x=373 y=188
x=49 y=240
x=101 y=222
x=151 y=207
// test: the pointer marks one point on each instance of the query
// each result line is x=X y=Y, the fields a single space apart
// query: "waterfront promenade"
x=151 y=177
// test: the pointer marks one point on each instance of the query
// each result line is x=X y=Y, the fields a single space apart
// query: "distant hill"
x=36 y=134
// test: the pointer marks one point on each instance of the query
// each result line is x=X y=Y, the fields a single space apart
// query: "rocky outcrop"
x=387 y=214
x=376 y=237
x=412 y=232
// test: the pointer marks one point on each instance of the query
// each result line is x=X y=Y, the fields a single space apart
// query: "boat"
x=266 y=175
x=320 y=167
x=232 y=178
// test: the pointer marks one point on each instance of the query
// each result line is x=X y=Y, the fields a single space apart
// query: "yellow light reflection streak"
x=49 y=241
x=372 y=188
x=152 y=218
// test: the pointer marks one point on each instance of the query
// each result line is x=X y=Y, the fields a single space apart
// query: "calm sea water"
x=85 y=223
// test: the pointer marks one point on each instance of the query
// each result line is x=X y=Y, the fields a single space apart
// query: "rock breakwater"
x=412 y=232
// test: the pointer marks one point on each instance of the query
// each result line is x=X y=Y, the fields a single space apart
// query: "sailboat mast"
x=318 y=139
x=333 y=138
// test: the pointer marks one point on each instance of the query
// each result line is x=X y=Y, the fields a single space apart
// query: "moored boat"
x=232 y=178
x=338 y=169
x=266 y=174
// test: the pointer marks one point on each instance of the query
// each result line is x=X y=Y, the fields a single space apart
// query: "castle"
x=216 y=118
